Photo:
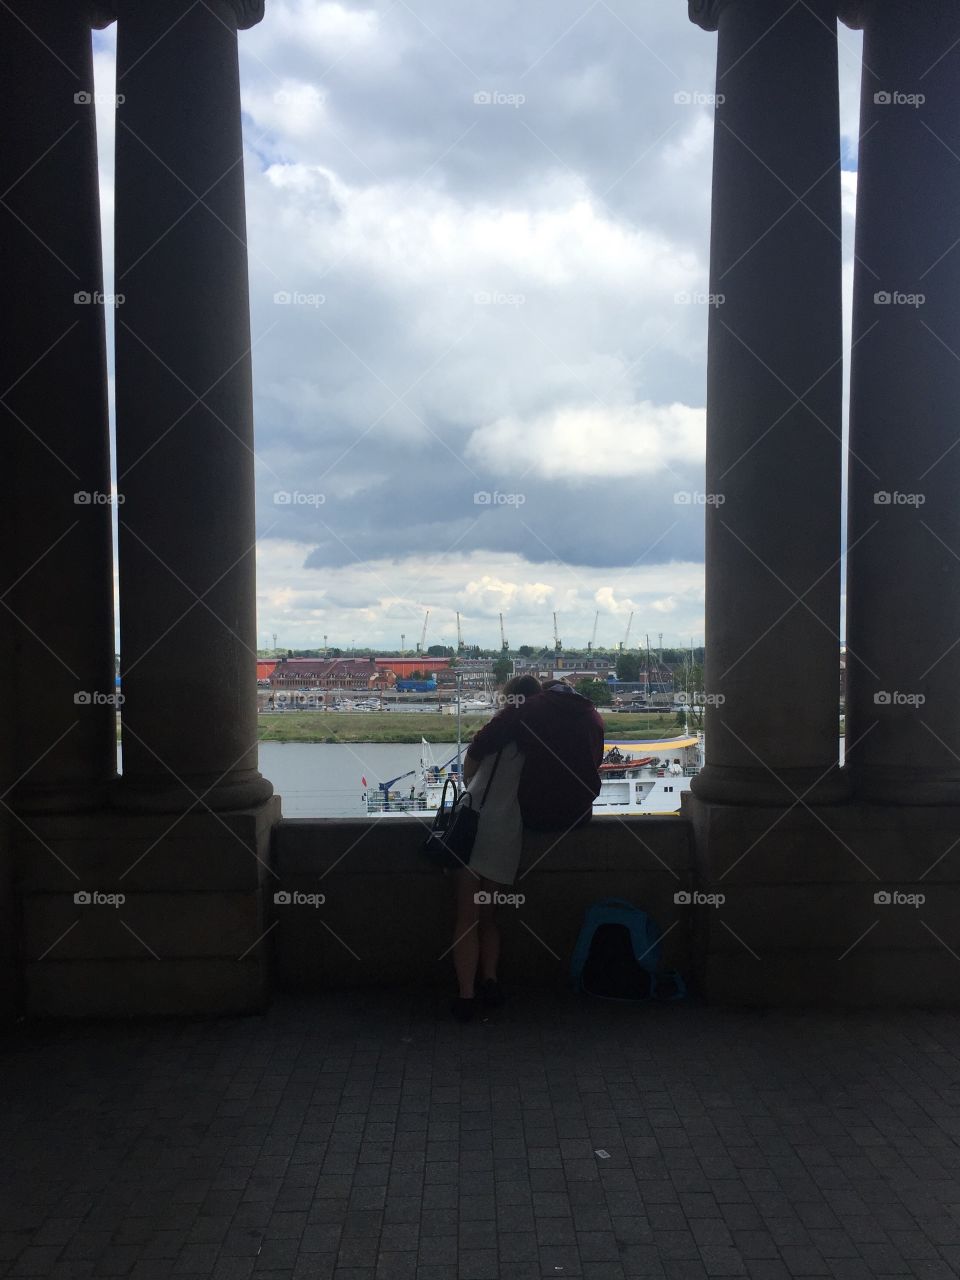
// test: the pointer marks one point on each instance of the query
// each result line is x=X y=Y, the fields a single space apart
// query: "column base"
x=851 y=905
x=72 y=798
x=244 y=790
x=886 y=784
x=132 y=915
x=722 y=784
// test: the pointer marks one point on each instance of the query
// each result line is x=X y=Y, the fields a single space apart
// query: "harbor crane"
x=623 y=642
x=557 y=645
x=460 y=645
x=593 y=639
x=503 y=637
x=423 y=633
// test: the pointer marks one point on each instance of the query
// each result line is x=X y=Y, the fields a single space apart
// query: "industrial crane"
x=593 y=639
x=423 y=633
x=623 y=642
x=557 y=646
x=503 y=637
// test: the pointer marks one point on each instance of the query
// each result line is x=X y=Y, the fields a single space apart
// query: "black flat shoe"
x=490 y=994
x=463 y=1008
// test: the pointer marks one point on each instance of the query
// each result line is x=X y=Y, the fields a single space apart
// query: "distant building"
x=324 y=673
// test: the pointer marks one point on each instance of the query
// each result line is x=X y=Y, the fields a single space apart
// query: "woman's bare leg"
x=466 y=934
x=489 y=932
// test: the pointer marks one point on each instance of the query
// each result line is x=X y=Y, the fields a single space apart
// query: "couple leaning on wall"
x=535 y=765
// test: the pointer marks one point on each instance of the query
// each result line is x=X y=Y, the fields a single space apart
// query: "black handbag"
x=451 y=838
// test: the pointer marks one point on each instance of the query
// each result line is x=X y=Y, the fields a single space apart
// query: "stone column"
x=56 y=584
x=903 y=567
x=184 y=411
x=774 y=392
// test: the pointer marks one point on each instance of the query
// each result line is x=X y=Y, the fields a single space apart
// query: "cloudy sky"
x=487 y=385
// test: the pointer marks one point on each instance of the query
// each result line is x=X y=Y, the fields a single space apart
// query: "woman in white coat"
x=494 y=861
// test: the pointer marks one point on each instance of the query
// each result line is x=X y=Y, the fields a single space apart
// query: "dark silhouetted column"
x=903 y=567
x=56 y=585
x=774 y=407
x=184 y=411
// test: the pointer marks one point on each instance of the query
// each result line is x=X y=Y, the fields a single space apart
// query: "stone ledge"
x=120 y=852
x=864 y=979
x=173 y=926
x=151 y=988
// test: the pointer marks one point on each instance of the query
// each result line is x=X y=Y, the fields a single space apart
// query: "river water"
x=323 y=779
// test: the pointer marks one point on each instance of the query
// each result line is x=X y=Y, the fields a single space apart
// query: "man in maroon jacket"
x=561 y=736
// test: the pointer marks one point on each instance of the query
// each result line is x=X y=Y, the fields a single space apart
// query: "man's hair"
x=521 y=687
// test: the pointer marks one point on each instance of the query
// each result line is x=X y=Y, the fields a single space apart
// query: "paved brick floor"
x=366 y=1138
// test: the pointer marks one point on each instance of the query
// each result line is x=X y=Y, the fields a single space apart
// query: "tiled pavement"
x=364 y=1137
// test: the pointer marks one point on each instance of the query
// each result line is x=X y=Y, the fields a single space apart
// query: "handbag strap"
x=490 y=779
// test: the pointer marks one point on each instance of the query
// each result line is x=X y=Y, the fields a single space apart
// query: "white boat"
x=647 y=776
x=637 y=777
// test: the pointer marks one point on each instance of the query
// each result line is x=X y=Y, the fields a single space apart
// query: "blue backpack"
x=618 y=955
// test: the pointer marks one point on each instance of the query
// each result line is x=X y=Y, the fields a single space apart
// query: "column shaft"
x=56 y=582
x=184 y=408
x=903 y=566
x=774 y=408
